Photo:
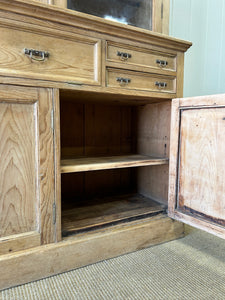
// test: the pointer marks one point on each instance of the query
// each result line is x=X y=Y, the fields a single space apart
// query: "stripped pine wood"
x=118 y=133
x=46 y=169
x=160 y=16
x=57 y=157
x=109 y=162
x=18 y=192
x=19 y=242
x=140 y=81
x=196 y=194
x=141 y=57
x=27 y=168
x=201 y=170
x=109 y=211
x=85 y=249
x=75 y=59
x=153 y=136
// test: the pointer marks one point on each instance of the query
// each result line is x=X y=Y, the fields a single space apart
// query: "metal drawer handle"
x=161 y=84
x=123 y=81
x=32 y=53
x=162 y=63
x=123 y=55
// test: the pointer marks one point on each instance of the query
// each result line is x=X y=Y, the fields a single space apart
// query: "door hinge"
x=54 y=213
x=52 y=119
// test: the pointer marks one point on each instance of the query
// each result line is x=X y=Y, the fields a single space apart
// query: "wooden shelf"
x=109 y=162
x=110 y=211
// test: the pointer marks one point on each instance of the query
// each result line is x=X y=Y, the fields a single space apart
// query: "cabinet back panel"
x=94 y=129
x=79 y=188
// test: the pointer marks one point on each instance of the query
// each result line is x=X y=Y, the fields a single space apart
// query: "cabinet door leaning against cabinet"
x=27 y=169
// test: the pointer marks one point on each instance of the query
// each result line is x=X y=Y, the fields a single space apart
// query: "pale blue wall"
x=203 y=23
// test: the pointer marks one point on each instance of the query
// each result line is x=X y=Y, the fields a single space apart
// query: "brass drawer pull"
x=161 y=84
x=32 y=53
x=162 y=63
x=123 y=55
x=123 y=81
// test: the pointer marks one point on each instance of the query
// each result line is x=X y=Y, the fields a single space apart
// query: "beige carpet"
x=189 y=268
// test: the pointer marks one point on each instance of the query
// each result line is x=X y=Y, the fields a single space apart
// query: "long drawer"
x=64 y=57
x=124 y=79
x=141 y=57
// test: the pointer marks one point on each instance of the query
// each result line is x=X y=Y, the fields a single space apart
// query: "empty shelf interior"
x=110 y=211
x=109 y=150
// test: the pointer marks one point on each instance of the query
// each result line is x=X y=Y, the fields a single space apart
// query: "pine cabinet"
x=87 y=151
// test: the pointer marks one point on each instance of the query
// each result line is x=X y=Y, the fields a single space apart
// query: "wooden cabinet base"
x=81 y=250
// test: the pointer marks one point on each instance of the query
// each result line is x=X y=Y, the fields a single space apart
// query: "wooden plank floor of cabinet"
x=110 y=211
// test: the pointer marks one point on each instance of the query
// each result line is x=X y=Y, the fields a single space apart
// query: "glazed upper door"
x=26 y=168
x=197 y=163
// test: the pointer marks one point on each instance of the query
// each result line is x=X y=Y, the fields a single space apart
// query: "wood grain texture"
x=71 y=58
x=86 y=249
x=109 y=162
x=47 y=183
x=27 y=166
x=196 y=166
x=57 y=159
x=174 y=140
x=153 y=138
x=180 y=74
x=112 y=95
x=18 y=163
x=19 y=242
x=160 y=16
x=110 y=211
x=141 y=57
x=140 y=81
x=72 y=18
x=202 y=169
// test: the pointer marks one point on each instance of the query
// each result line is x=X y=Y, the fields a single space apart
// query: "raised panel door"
x=26 y=168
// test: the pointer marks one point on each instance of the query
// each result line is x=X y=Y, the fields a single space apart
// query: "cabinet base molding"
x=81 y=250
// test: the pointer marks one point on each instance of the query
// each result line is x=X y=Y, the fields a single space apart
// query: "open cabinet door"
x=197 y=163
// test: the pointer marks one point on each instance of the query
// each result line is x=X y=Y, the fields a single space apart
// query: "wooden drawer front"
x=140 y=81
x=71 y=58
x=140 y=57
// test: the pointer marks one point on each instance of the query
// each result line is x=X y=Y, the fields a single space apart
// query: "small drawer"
x=140 y=57
x=140 y=81
x=66 y=58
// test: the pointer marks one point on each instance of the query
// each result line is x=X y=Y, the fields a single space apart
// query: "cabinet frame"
x=83 y=249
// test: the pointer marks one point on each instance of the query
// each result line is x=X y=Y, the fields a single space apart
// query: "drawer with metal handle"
x=140 y=81
x=141 y=57
x=56 y=57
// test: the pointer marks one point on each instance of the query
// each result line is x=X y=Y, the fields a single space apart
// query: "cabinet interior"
x=114 y=160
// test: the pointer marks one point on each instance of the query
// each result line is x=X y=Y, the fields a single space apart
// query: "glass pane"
x=132 y=12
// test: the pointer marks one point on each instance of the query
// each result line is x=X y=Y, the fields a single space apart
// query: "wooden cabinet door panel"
x=26 y=168
x=197 y=164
